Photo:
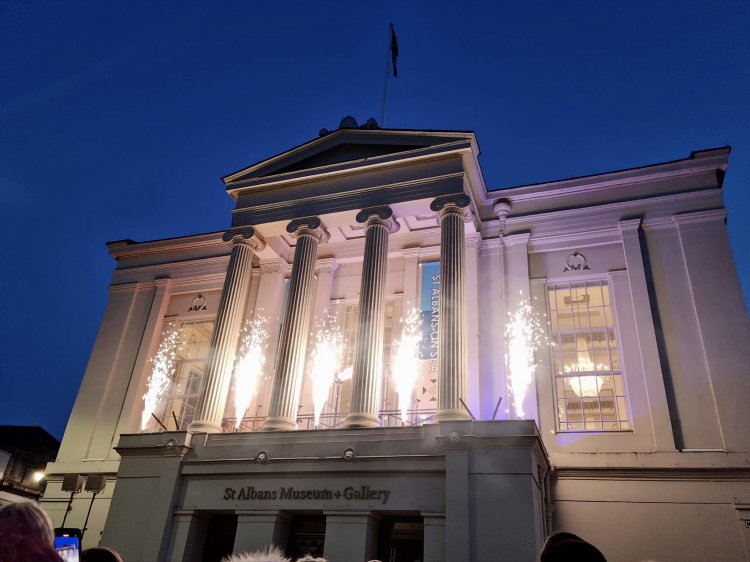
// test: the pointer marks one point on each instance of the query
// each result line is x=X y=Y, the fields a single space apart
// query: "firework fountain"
x=406 y=360
x=162 y=368
x=249 y=365
x=524 y=335
x=326 y=357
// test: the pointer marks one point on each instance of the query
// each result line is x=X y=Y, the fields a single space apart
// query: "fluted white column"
x=452 y=342
x=287 y=382
x=367 y=375
x=210 y=409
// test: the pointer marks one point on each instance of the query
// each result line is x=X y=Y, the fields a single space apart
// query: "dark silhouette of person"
x=567 y=547
x=26 y=534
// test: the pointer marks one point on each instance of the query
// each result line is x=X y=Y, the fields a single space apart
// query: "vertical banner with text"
x=429 y=305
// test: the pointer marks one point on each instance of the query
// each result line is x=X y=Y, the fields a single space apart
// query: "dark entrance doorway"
x=401 y=539
x=220 y=533
x=307 y=535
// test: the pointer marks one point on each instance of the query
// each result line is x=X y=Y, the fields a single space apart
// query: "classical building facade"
x=383 y=358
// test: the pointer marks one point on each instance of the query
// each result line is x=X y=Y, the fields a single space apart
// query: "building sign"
x=429 y=305
x=250 y=493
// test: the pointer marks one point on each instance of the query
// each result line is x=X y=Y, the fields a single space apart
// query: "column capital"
x=308 y=226
x=163 y=281
x=327 y=264
x=474 y=241
x=382 y=215
x=629 y=225
x=411 y=253
x=519 y=239
x=245 y=235
x=456 y=204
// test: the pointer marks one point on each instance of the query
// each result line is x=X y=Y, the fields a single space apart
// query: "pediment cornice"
x=344 y=149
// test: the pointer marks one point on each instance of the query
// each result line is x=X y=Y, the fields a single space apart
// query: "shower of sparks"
x=325 y=358
x=163 y=365
x=406 y=360
x=249 y=365
x=524 y=334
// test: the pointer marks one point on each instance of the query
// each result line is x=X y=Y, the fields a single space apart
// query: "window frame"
x=162 y=409
x=620 y=393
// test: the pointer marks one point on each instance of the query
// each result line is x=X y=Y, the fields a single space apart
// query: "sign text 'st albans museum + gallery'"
x=381 y=358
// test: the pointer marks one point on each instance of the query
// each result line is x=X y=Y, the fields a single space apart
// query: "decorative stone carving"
x=576 y=262
x=198 y=304
x=501 y=208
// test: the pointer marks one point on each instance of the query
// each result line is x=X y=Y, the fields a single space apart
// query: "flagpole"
x=387 y=72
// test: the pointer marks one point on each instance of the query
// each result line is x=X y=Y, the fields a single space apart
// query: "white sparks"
x=163 y=365
x=249 y=365
x=406 y=360
x=524 y=335
x=325 y=363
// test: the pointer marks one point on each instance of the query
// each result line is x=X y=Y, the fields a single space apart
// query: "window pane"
x=585 y=358
x=177 y=408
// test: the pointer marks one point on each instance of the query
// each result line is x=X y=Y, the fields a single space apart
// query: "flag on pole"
x=394 y=51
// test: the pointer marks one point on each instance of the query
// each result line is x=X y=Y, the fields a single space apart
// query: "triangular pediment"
x=346 y=146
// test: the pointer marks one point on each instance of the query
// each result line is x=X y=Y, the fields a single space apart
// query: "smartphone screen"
x=68 y=548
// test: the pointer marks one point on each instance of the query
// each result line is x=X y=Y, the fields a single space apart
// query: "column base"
x=279 y=424
x=204 y=426
x=451 y=415
x=360 y=420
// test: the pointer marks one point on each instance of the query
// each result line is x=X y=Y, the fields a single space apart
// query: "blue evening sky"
x=117 y=120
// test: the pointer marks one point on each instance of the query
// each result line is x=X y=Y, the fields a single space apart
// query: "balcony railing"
x=388 y=418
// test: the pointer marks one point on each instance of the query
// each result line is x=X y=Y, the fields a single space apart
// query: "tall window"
x=586 y=359
x=342 y=397
x=177 y=408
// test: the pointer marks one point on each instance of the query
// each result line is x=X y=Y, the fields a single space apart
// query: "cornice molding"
x=437 y=151
x=474 y=241
x=131 y=287
x=655 y=203
x=129 y=248
x=326 y=264
x=698 y=217
x=274 y=266
x=411 y=253
x=175 y=270
x=617 y=179
x=586 y=239
x=652 y=473
x=518 y=239
x=491 y=243
x=310 y=200
x=629 y=225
